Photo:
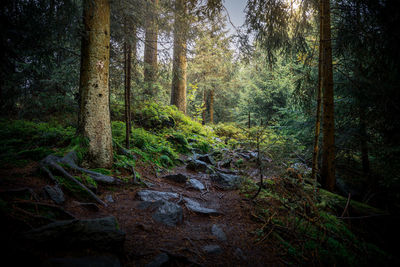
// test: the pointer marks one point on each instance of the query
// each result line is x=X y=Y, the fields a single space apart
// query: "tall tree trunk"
x=178 y=90
x=94 y=117
x=212 y=106
x=328 y=145
x=249 y=120
x=203 y=112
x=150 y=49
x=319 y=101
x=128 y=64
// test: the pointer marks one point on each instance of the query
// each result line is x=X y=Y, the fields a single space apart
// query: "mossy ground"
x=299 y=222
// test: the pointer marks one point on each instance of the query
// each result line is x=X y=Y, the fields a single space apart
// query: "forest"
x=199 y=132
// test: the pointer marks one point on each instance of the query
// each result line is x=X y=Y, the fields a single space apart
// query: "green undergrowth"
x=307 y=233
x=22 y=140
x=160 y=133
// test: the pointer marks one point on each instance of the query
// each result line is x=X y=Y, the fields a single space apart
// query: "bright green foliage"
x=29 y=140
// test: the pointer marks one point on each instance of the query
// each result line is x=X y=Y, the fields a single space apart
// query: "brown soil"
x=146 y=238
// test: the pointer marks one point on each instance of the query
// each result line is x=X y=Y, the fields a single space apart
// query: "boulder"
x=169 y=214
x=197 y=165
x=100 y=233
x=196 y=207
x=195 y=184
x=178 y=178
x=55 y=193
x=226 y=181
x=151 y=195
x=218 y=232
x=212 y=249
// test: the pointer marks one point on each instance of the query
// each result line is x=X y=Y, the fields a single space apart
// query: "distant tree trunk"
x=328 y=146
x=128 y=64
x=249 y=121
x=212 y=106
x=150 y=50
x=319 y=101
x=178 y=91
x=94 y=118
x=203 y=113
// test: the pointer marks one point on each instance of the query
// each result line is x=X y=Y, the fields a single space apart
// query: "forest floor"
x=146 y=238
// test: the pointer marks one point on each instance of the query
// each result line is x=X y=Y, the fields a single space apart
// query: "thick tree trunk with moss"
x=178 y=90
x=94 y=117
x=150 y=49
x=328 y=145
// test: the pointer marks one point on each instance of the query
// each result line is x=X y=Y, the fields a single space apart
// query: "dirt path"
x=146 y=238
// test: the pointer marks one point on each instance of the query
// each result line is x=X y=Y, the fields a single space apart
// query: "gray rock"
x=195 y=184
x=197 y=165
x=207 y=159
x=179 y=178
x=98 y=261
x=169 y=214
x=144 y=205
x=151 y=195
x=159 y=260
x=55 y=193
x=212 y=249
x=109 y=199
x=100 y=233
x=226 y=181
x=218 y=232
x=196 y=207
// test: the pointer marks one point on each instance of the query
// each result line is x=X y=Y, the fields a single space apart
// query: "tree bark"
x=203 y=113
x=128 y=64
x=150 y=49
x=319 y=101
x=94 y=116
x=328 y=146
x=212 y=106
x=249 y=120
x=178 y=90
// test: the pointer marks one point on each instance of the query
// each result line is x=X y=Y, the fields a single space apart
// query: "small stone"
x=212 y=249
x=226 y=181
x=196 y=207
x=55 y=193
x=109 y=199
x=159 y=260
x=151 y=195
x=169 y=214
x=218 y=232
x=197 y=165
x=195 y=184
x=179 y=178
